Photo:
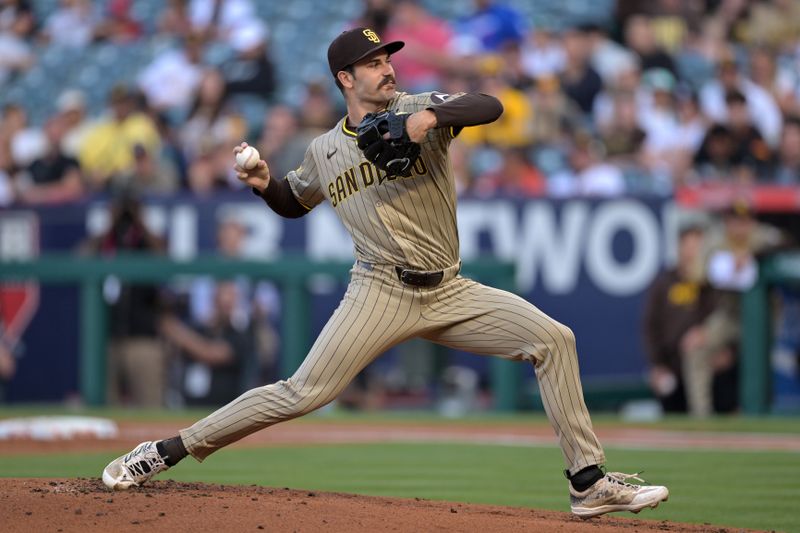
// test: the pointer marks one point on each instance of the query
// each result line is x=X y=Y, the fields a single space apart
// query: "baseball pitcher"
x=384 y=169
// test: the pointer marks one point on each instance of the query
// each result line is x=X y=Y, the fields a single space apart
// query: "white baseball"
x=248 y=158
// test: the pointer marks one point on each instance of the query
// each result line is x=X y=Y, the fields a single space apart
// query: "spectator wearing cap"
x=108 y=146
x=250 y=71
x=763 y=108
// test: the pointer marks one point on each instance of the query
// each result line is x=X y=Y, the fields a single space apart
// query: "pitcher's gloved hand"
x=384 y=140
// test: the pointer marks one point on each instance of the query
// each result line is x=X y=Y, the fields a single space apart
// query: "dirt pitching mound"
x=86 y=505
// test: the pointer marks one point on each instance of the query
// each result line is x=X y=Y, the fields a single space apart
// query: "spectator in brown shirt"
x=677 y=304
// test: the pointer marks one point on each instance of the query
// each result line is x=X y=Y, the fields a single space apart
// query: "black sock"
x=171 y=450
x=586 y=478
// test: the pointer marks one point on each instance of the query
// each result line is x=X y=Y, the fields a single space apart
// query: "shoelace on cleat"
x=145 y=465
x=141 y=468
x=136 y=451
x=622 y=478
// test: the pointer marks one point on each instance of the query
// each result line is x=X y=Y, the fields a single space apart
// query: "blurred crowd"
x=665 y=94
x=671 y=93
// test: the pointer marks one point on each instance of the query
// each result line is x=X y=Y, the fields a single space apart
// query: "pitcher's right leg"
x=372 y=317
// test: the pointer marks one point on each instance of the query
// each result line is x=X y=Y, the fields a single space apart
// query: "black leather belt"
x=419 y=279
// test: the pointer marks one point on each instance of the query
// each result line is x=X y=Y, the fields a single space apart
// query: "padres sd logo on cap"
x=354 y=45
x=371 y=35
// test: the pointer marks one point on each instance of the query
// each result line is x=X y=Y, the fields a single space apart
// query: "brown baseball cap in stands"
x=354 y=45
x=738 y=208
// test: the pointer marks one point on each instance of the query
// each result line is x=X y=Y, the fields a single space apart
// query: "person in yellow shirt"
x=514 y=128
x=107 y=148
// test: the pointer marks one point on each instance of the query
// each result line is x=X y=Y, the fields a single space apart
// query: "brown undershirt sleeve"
x=470 y=109
x=279 y=197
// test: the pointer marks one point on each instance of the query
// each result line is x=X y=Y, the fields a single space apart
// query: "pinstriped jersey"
x=405 y=221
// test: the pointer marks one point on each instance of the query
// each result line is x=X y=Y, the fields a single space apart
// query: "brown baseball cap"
x=354 y=45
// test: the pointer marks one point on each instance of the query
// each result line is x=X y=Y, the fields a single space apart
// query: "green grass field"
x=731 y=488
x=771 y=424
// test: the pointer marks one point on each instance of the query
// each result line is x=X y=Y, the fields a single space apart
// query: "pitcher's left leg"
x=489 y=321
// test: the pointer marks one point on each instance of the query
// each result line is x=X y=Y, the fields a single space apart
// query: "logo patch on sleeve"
x=439 y=98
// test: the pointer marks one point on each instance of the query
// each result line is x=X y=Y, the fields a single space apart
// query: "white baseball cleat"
x=135 y=468
x=613 y=493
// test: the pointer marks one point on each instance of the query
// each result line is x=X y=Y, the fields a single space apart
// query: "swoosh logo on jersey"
x=330 y=154
x=439 y=98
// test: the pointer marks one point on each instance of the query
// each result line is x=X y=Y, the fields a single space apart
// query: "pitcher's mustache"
x=388 y=79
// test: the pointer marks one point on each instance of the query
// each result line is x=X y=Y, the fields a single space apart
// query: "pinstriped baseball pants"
x=378 y=312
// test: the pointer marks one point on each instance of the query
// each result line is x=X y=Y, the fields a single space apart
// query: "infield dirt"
x=66 y=505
